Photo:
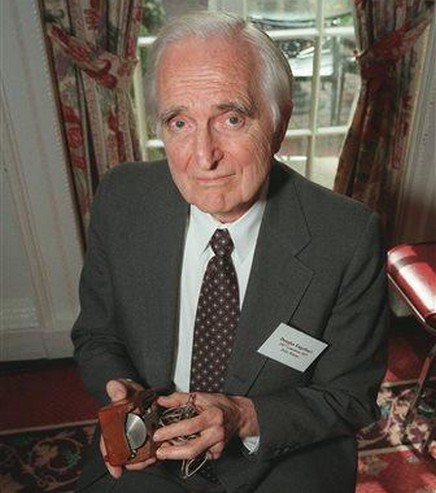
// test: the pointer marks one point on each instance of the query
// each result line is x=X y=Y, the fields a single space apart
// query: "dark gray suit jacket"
x=318 y=266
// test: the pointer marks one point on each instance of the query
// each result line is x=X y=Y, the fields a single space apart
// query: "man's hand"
x=220 y=417
x=118 y=390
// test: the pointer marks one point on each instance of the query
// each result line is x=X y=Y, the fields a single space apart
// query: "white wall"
x=40 y=250
x=416 y=214
x=18 y=307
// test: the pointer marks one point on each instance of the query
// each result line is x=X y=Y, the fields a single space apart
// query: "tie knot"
x=221 y=243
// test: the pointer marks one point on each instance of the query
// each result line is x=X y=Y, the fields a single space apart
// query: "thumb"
x=116 y=390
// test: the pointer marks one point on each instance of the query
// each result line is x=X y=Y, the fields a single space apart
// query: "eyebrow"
x=170 y=113
x=237 y=106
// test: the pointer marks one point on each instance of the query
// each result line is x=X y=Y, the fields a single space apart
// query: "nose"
x=207 y=148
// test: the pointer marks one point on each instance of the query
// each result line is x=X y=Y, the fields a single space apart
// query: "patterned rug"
x=395 y=459
x=43 y=460
x=389 y=431
x=50 y=459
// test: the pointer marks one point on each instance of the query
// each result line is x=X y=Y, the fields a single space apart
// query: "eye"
x=234 y=121
x=177 y=124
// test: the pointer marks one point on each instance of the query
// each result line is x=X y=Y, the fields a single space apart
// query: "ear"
x=280 y=133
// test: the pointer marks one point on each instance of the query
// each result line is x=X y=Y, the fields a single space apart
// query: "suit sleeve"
x=99 y=349
x=341 y=396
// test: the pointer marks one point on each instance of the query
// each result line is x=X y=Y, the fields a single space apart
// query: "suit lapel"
x=158 y=244
x=277 y=281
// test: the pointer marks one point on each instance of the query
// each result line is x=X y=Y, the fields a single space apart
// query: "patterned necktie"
x=216 y=319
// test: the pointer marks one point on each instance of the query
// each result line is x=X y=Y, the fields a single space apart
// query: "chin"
x=214 y=211
x=213 y=204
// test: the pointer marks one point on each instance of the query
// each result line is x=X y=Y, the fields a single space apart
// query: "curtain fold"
x=370 y=164
x=93 y=45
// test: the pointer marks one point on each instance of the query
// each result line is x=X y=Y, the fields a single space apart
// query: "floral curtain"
x=93 y=44
x=371 y=160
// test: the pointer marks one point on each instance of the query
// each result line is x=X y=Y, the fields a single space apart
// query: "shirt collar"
x=243 y=231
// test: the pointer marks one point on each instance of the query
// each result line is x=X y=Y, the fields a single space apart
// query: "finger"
x=185 y=427
x=180 y=452
x=211 y=420
x=173 y=400
x=131 y=385
x=215 y=452
x=185 y=450
x=165 y=445
x=138 y=466
x=116 y=390
x=114 y=471
x=121 y=388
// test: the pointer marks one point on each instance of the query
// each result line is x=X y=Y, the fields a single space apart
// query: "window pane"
x=279 y=14
x=325 y=163
x=175 y=8
x=157 y=12
x=293 y=152
x=302 y=91
x=338 y=13
x=152 y=18
x=300 y=54
x=155 y=153
x=340 y=81
x=149 y=133
x=301 y=12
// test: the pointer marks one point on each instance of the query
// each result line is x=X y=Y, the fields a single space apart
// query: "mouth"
x=214 y=181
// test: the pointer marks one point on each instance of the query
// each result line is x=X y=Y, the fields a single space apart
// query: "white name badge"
x=292 y=347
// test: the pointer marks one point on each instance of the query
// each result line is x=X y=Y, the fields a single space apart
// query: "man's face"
x=216 y=127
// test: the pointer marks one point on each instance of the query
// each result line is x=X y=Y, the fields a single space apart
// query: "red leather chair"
x=412 y=274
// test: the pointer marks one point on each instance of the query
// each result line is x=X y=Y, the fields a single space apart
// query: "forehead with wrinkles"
x=209 y=66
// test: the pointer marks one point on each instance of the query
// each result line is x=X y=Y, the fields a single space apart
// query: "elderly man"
x=226 y=275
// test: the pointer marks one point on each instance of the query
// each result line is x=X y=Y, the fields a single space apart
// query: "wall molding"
x=23 y=338
x=19 y=314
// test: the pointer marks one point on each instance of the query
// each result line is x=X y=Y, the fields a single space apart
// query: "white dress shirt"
x=197 y=253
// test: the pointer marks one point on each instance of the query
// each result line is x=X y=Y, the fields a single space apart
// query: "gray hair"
x=275 y=76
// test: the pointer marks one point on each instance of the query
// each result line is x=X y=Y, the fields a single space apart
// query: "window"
x=317 y=37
